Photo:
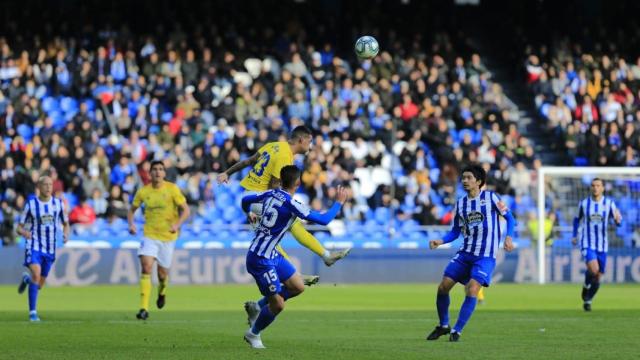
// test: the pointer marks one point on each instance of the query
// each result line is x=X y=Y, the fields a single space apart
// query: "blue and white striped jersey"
x=478 y=221
x=279 y=211
x=45 y=220
x=593 y=220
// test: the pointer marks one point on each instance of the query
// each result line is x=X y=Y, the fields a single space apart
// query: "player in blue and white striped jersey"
x=41 y=221
x=590 y=226
x=268 y=267
x=476 y=217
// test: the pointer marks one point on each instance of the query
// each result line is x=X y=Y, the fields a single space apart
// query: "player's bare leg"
x=304 y=237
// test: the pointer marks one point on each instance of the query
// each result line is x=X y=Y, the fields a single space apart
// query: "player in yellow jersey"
x=165 y=210
x=267 y=163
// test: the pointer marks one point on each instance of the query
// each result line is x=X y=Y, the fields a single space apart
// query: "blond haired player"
x=265 y=174
x=165 y=210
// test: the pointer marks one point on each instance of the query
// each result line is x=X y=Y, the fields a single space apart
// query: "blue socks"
x=591 y=285
x=263 y=302
x=33 y=296
x=264 y=319
x=466 y=310
x=442 y=303
x=283 y=292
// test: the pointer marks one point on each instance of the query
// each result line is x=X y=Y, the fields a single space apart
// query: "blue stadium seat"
x=25 y=131
x=50 y=104
x=69 y=104
x=381 y=215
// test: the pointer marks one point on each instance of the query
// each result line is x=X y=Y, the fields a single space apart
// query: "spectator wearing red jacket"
x=587 y=112
x=83 y=213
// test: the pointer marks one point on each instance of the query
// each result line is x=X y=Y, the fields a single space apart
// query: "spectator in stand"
x=82 y=214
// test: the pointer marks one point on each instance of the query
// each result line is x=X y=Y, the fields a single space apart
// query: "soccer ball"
x=367 y=47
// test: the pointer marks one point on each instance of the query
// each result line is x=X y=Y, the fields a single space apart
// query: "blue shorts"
x=269 y=273
x=465 y=266
x=601 y=256
x=36 y=257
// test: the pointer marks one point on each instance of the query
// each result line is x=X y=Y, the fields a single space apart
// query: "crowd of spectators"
x=397 y=129
x=590 y=102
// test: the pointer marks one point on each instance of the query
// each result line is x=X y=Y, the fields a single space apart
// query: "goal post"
x=573 y=189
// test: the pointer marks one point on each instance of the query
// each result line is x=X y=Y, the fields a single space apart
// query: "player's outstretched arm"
x=223 y=178
x=342 y=195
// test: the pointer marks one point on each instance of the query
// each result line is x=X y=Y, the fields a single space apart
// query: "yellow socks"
x=145 y=291
x=162 y=287
x=481 y=294
x=306 y=239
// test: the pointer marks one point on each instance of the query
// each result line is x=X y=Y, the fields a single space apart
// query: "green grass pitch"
x=326 y=322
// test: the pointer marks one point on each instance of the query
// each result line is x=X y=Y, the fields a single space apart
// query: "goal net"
x=560 y=189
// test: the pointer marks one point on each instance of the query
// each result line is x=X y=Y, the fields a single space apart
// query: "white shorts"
x=161 y=250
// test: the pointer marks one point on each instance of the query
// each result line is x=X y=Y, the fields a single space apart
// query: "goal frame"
x=564 y=170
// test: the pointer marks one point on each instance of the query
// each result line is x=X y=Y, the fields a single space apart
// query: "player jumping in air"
x=275 y=276
x=265 y=175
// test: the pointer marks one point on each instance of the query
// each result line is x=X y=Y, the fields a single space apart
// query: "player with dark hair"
x=275 y=276
x=265 y=174
x=476 y=217
x=165 y=210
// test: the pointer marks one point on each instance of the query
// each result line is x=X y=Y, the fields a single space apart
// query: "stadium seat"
x=240 y=244
x=341 y=244
x=50 y=104
x=77 y=244
x=214 y=245
x=372 y=245
x=101 y=244
x=193 y=245
x=382 y=215
x=130 y=244
x=408 y=245
x=25 y=131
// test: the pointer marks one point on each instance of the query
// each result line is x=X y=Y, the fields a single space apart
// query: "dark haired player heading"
x=476 y=217
x=265 y=174
x=269 y=268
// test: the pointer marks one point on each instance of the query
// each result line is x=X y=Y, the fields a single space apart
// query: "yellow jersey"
x=273 y=157
x=160 y=210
